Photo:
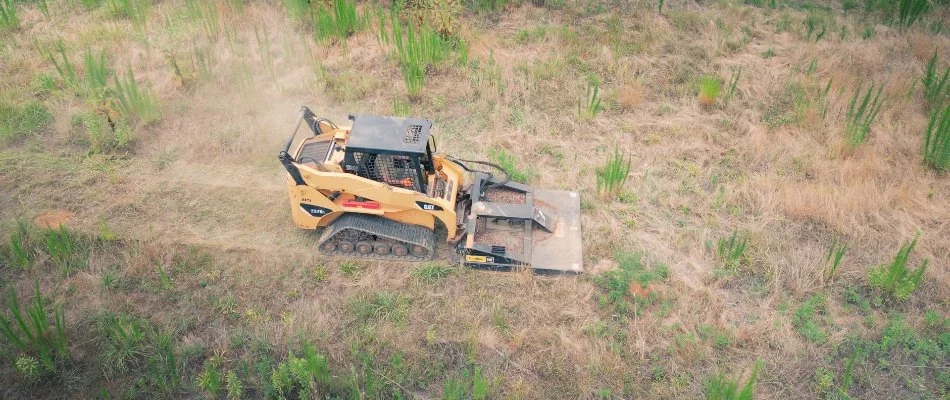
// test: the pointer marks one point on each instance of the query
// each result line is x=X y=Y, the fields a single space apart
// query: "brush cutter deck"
x=512 y=225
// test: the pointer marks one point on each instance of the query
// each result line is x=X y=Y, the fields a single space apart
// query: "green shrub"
x=719 y=387
x=895 y=280
x=105 y=135
x=306 y=375
x=616 y=282
x=67 y=250
x=937 y=139
x=209 y=379
x=613 y=174
x=19 y=121
x=38 y=330
x=861 y=115
x=935 y=85
x=709 y=87
x=9 y=20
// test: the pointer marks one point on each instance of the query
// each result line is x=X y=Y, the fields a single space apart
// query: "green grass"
x=133 y=100
x=937 y=139
x=768 y=53
x=37 y=330
x=862 y=111
x=209 y=379
x=431 y=272
x=731 y=249
x=19 y=121
x=306 y=375
x=21 y=253
x=615 y=283
x=380 y=306
x=135 y=11
x=815 y=24
x=896 y=280
x=507 y=163
x=206 y=14
x=467 y=385
x=67 y=250
x=66 y=70
x=935 y=85
x=590 y=105
x=613 y=174
x=709 y=87
x=804 y=319
x=9 y=19
x=123 y=342
x=720 y=387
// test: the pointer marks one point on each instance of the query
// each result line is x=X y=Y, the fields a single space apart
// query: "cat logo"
x=427 y=206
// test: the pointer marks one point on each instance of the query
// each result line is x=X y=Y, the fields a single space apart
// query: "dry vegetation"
x=757 y=228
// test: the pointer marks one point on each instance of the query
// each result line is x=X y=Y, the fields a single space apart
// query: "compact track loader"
x=378 y=188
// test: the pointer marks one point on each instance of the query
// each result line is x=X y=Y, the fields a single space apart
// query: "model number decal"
x=313 y=210
x=481 y=259
x=428 y=206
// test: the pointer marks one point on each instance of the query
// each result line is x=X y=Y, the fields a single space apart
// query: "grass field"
x=765 y=199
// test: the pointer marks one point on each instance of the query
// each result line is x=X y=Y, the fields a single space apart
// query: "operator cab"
x=391 y=150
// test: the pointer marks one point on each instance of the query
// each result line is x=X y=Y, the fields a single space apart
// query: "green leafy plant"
x=935 y=85
x=617 y=283
x=134 y=101
x=937 y=139
x=38 y=329
x=613 y=174
x=720 y=387
x=896 y=280
x=209 y=379
x=67 y=251
x=709 y=87
x=730 y=250
x=590 y=105
x=862 y=111
x=804 y=319
x=9 y=20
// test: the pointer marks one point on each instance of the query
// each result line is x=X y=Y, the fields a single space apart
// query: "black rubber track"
x=367 y=225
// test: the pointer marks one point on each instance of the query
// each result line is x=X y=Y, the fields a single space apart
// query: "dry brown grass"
x=203 y=179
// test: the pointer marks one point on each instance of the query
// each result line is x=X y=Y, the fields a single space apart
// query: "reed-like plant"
x=862 y=111
x=909 y=11
x=935 y=85
x=590 y=105
x=96 y=72
x=65 y=249
x=37 y=329
x=835 y=253
x=730 y=250
x=9 y=19
x=21 y=249
x=133 y=100
x=733 y=84
x=720 y=387
x=896 y=280
x=417 y=50
x=613 y=174
x=937 y=139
